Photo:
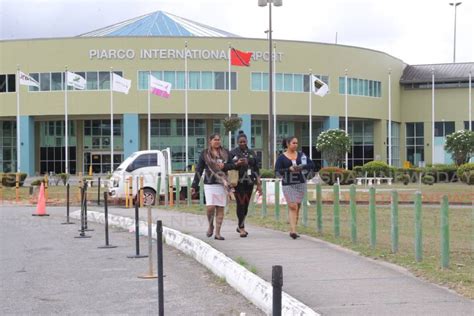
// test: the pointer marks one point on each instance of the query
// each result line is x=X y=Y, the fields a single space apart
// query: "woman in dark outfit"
x=215 y=161
x=249 y=175
x=293 y=167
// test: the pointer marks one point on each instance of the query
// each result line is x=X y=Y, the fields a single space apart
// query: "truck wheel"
x=149 y=197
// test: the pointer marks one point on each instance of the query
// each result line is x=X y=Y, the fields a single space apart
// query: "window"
x=8 y=146
x=143 y=161
x=45 y=81
x=284 y=82
x=52 y=150
x=197 y=80
x=97 y=134
x=160 y=127
x=415 y=143
x=256 y=141
x=55 y=81
x=104 y=80
x=361 y=133
x=92 y=82
x=360 y=87
x=194 y=80
x=11 y=83
x=466 y=125
x=395 y=144
x=443 y=129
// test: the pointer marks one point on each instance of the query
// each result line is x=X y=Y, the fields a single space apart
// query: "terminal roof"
x=442 y=72
x=158 y=23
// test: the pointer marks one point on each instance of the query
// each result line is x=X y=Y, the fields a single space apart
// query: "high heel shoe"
x=209 y=234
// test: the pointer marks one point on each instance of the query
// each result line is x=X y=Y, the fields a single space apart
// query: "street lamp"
x=271 y=128
x=455 y=5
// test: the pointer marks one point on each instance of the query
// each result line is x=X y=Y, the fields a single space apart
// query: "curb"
x=251 y=286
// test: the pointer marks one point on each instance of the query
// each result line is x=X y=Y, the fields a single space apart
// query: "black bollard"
x=82 y=233
x=67 y=206
x=159 y=258
x=106 y=215
x=85 y=209
x=98 y=191
x=277 y=284
x=137 y=234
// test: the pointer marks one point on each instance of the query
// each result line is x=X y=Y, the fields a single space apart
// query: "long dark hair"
x=286 y=140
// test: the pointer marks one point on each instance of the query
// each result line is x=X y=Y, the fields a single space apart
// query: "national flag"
x=240 y=58
x=160 y=88
x=318 y=86
x=75 y=80
x=120 y=84
x=28 y=81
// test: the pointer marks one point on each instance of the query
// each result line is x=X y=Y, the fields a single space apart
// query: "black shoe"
x=209 y=234
x=294 y=235
x=219 y=238
x=242 y=234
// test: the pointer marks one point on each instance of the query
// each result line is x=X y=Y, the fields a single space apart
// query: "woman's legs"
x=243 y=196
x=293 y=217
x=210 y=218
x=219 y=220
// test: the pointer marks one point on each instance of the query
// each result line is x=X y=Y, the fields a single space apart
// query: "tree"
x=460 y=145
x=333 y=145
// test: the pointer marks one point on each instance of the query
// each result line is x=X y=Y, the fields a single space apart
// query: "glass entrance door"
x=100 y=161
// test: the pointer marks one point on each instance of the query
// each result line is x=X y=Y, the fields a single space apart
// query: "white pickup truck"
x=152 y=165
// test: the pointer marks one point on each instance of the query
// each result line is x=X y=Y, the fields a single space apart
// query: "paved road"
x=44 y=270
x=325 y=277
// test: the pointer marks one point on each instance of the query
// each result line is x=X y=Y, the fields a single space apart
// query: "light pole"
x=271 y=128
x=455 y=5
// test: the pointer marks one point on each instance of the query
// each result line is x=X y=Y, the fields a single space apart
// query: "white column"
x=389 y=117
x=18 y=129
x=310 y=113
x=186 y=127
x=345 y=111
x=66 y=143
x=111 y=120
x=432 y=116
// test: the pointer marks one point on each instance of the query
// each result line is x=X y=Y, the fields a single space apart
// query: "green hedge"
x=9 y=179
x=465 y=172
x=267 y=173
x=329 y=175
x=377 y=168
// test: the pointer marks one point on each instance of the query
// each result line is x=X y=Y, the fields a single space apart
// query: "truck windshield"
x=126 y=162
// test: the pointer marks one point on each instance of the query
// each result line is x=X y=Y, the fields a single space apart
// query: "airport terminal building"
x=156 y=43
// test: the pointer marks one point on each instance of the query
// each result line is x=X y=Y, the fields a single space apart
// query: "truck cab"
x=153 y=166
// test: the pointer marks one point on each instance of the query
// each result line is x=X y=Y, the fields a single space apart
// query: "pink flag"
x=160 y=88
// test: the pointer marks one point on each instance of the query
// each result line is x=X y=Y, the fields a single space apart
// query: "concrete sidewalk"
x=327 y=278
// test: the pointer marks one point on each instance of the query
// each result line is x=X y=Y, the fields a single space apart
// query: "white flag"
x=120 y=84
x=160 y=88
x=75 y=80
x=28 y=81
x=318 y=86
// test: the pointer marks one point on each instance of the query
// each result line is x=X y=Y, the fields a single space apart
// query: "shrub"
x=413 y=173
x=64 y=177
x=466 y=173
x=358 y=171
x=403 y=178
x=267 y=173
x=329 y=175
x=9 y=179
x=446 y=173
x=428 y=179
x=377 y=168
x=36 y=182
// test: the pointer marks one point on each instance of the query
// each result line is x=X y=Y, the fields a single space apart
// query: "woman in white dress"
x=214 y=162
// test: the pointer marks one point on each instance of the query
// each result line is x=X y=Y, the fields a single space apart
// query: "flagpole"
x=66 y=144
x=310 y=114
x=432 y=116
x=149 y=114
x=389 y=117
x=230 y=99
x=274 y=100
x=18 y=129
x=470 y=101
x=111 y=120
x=186 y=102
x=346 y=121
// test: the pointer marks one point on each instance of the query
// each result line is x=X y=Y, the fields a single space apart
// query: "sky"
x=416 y=31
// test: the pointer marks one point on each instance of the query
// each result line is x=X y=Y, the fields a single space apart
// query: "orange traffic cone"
x=41 y=207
